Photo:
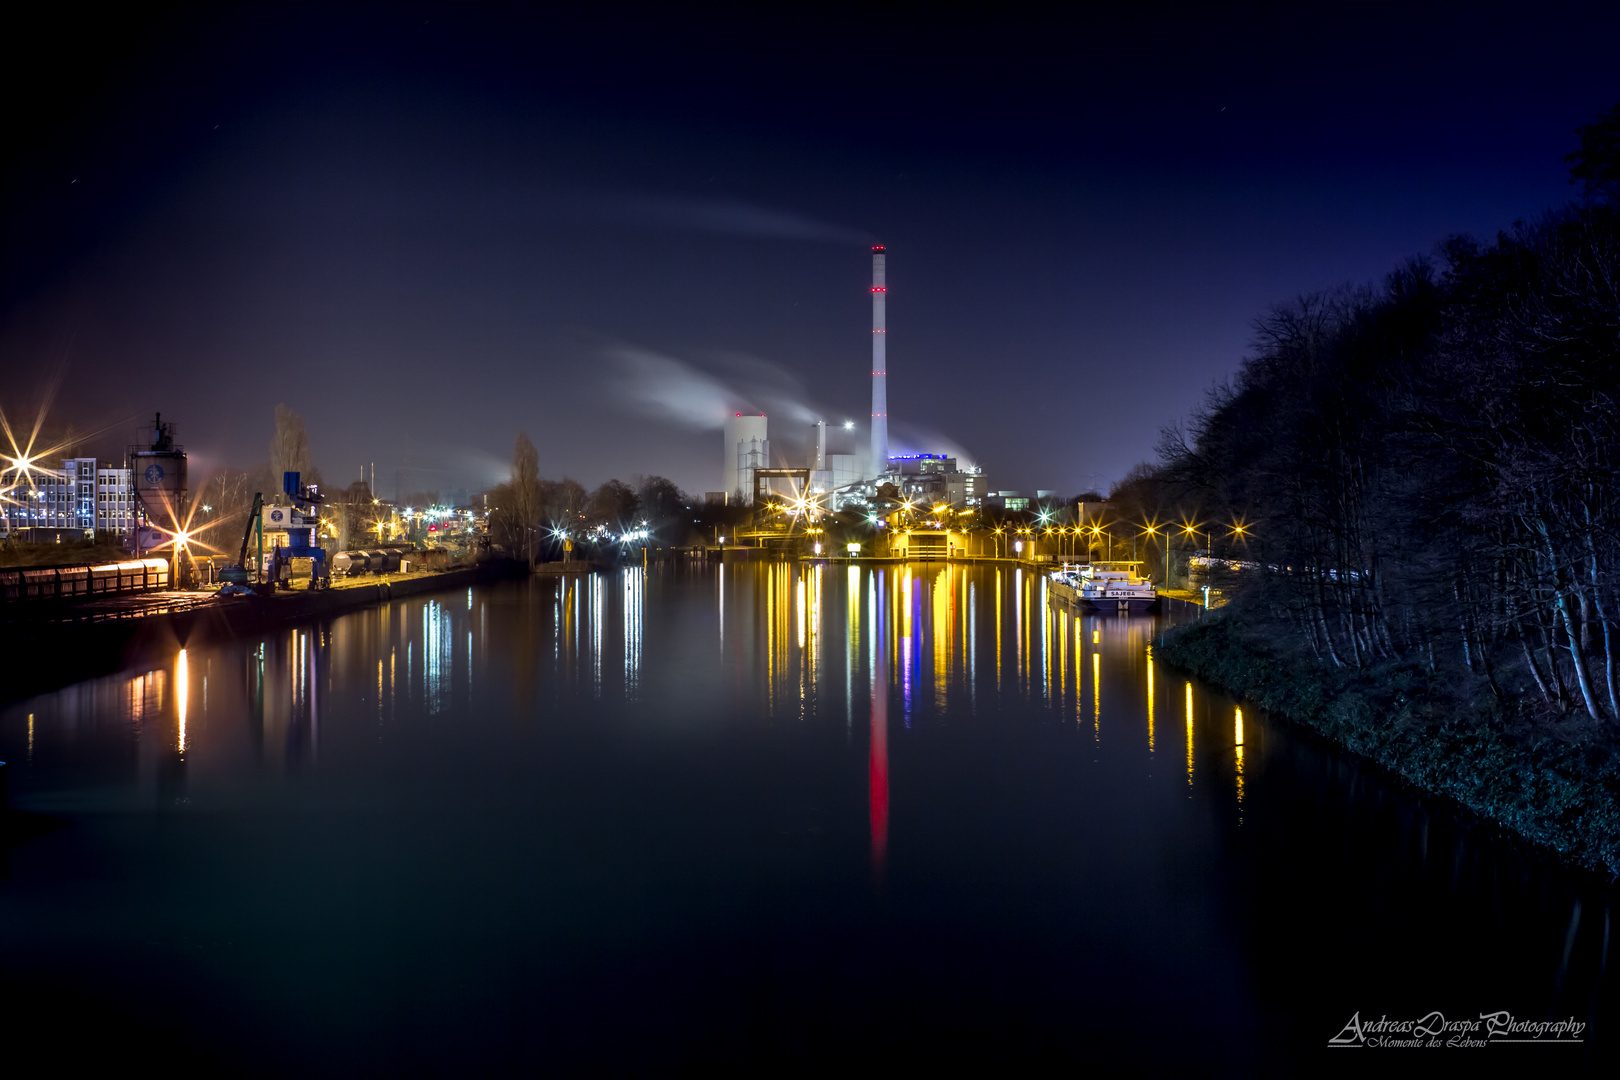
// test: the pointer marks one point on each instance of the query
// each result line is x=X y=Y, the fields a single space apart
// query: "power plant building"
x=852 y=476
x=935 y=478
x=844 y=469
x=746 y=448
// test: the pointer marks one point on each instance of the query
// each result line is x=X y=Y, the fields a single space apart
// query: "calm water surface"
x=760 y=816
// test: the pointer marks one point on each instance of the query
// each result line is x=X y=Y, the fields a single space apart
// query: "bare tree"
x=566 y=500
x=354 y=515
x=289 y=448
x=527 y=496
x=222 y=503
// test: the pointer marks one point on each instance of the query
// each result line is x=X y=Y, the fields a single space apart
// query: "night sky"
x=427 y=227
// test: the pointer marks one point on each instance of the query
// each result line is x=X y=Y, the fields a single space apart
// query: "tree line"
x=1430 y=468
x=532 y=515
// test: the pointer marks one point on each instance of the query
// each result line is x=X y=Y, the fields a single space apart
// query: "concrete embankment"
x=1548 y=782
x=47 y=653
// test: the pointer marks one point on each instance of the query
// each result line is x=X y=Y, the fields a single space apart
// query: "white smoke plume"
x=700 y=395
x=681 y=393
x=671 y=390
x=776 y=391
x=731 y=219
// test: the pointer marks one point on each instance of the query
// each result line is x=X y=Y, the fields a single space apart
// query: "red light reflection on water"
x=878 y=777
x=877 y=769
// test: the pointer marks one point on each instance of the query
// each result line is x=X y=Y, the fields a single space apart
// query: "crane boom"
x=247 y=533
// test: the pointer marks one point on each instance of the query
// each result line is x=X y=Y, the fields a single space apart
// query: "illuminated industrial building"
x=935 y=479
x=85 y=495
x=746 y=448
x=841 y=478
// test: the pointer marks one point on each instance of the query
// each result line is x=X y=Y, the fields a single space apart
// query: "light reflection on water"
x=1138 y=856
x=937 y=630
x=182 y=683
x=1237 y=742
x=914 y=629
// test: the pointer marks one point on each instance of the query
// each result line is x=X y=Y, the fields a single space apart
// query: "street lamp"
x=1098 y=531
x=1239 y=531
x=1193 y=530
x=1152 y=531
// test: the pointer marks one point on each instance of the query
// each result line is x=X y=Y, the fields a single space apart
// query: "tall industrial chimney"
x=880 y=367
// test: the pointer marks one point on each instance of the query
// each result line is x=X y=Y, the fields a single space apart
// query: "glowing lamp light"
x=854 y=549
x=1018 y=545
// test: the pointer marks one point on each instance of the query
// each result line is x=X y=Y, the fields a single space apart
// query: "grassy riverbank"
x=1554 y=783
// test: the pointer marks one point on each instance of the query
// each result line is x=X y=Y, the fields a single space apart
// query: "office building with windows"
x=90 y=497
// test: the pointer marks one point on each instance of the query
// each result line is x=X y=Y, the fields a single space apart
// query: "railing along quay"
x=34 y=583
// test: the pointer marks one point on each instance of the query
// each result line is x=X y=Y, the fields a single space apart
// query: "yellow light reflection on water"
x=1189 y=736
x=1096 y=694
x=1018 y=620
x=182 y=695
x=1150 y=697
x=905 y=600
x=1079 y=671
x=1238 y=741
x=799 y=609
x=1063 y=655
x=973 y=646
x=852 y=642
x=815 y=603
x=1046 y=653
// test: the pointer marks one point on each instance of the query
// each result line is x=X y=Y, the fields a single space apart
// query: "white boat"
x=1104 y=586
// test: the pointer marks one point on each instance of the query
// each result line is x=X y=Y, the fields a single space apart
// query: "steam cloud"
x=668 y=389
x=735 y=219
x=681 y=393
x=677 y=392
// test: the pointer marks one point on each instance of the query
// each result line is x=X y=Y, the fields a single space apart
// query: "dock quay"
x=55 y=645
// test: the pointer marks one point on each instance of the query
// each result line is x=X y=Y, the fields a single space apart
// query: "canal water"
x=762 y=816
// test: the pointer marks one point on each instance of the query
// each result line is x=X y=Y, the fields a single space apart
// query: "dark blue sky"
x=426 y=227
